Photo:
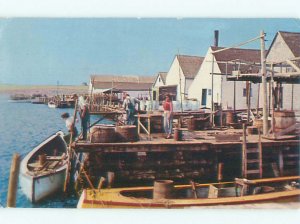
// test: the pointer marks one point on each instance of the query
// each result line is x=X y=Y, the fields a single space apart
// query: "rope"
x=238 y=45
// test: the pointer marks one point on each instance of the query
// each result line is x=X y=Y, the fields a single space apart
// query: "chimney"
x=216 y=39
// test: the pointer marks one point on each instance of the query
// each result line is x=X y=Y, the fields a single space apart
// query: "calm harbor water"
x=22 y=127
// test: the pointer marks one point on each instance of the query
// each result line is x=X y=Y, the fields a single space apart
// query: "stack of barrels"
x=110 y=133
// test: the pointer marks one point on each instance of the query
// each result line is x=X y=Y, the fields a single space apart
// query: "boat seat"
x=56 y=158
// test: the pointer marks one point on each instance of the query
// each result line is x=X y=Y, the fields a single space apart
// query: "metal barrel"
x=103 y=134
x=177 y=134
x=127 y=133
x=163 y=189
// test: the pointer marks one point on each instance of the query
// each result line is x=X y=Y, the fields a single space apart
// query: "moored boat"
x=43 y=171
x=241 y=191
x=51 y=104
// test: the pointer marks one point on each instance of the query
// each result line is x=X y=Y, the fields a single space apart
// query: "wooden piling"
x=220 y=171
x=13 y=181
x=264 y=83
x=244 y=151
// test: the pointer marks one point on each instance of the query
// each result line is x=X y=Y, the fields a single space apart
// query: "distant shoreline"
x=42 y=89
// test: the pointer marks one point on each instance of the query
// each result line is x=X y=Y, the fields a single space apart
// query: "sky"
x=69 y=50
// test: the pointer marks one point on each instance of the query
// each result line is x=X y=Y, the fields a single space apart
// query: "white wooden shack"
x=160 y=80
x=136 y=86
x=182 y=73
x=286 y=46
x=230 y=94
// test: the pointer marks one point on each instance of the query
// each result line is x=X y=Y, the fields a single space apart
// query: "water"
x=22 y=127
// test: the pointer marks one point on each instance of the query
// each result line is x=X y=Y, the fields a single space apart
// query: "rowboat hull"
x=52 y=105
x=40 y=185
x=38 y=188
x=116 y=198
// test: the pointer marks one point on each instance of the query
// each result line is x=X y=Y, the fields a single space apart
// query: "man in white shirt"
x=70 y=126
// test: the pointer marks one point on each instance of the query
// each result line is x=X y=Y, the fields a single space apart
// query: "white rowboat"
x=43 y=171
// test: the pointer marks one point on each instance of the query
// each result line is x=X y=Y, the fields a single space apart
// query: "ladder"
x=251 y=157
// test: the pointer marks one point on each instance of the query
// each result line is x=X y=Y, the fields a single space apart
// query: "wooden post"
x=194 y=189
x=248 y=91
x=149 y=127
x=273 y=100
x=13 y=181
x=67 y=180
x=138 y=123
x=264 y=83
x=234 y=96
x=244 y=151
x=280 y=162
x=257 y=106
x=220 y=171
x=260 y=154
x=101 y=182
x=292 y=103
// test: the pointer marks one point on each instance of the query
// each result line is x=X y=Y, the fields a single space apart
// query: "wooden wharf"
x=199 y=157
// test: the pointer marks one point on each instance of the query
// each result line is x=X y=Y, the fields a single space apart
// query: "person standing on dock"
x=129 y=105
x=70 y=124
x=84 y=115
x=168 y=116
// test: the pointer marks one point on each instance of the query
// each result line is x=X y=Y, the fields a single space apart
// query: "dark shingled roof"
x=190 y=65
x=293 y=41
x=249 y=56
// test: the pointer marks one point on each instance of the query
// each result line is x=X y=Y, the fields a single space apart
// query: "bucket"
x=102 y=134
x=177 y=134
x=163 y=189
x=127 y=133
x=284 y=119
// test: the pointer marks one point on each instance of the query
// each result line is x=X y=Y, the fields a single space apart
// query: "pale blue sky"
x=44 y=51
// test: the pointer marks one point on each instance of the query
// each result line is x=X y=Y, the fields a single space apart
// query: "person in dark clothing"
x=84 y=115
x=129 y=105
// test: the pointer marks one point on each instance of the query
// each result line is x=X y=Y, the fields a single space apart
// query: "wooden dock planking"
x=160 y=144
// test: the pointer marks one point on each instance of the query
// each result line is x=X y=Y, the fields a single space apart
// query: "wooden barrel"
x=229 y=117
x=177 y=134
x=163 y=189
x=103 y=134
x=284 y=119
x=191 y=123
x=127 y=133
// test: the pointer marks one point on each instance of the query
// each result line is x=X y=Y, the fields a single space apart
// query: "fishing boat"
x=44 y=170
x=51 y=104
x=241 y=191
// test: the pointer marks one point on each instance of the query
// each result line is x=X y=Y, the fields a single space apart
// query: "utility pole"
x=212 y=109
x=264 y=83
